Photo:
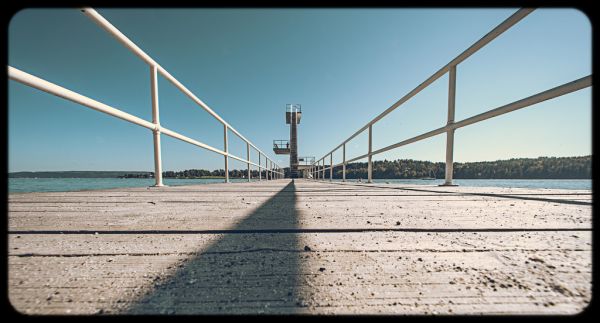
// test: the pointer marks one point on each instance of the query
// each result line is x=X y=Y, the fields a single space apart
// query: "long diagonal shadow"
x=498 y=195
x=238 y=274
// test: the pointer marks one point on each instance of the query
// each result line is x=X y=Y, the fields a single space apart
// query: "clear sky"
x=345 y=66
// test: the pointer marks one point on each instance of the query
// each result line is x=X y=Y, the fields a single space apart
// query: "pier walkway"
x=301 y=246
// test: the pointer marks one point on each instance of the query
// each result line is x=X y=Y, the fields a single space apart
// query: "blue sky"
x=345 y=66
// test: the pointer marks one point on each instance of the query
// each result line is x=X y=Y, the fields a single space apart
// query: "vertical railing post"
x=331 y=167
x=344 y=163
x=248 y=159
x=318 y=170
x=156 y=131
x=450 y=133
x=370 y=166
x=322 y=169
x=259 y=168
x=226 y=148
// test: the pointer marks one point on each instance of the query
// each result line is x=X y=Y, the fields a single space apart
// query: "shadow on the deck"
x=515 y=196
x=240 y=273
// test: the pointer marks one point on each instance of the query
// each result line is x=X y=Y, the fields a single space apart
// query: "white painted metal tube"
x=370 y=156
x=450 y=121
x=156 y=132
x=43 y=85
x=189 y=140
x=191 y=95
x=51 y=88
x=112 y=30
x=259 y=168
x=501 y=28
x=226 y=157
x=358 y=158
x=531 y=100
x=206 y=108
x=248 y=157
x=331 y=167
x=344 y=163
x=240 y=159
x=108 y=27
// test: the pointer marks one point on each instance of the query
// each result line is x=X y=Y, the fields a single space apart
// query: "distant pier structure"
x=293 y=115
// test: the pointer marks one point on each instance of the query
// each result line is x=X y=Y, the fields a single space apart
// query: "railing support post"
x=323 y=168
x=370 y=166
x=344 y=163
x=248 y=159
x=450 y=133
x=226 y=148
x=331 y=167
x=259 y=168
x=156 y=131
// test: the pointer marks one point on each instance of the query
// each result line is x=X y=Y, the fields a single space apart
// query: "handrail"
x=111 y=29
x=43 y=85
x=273 y=170
x=318 y=170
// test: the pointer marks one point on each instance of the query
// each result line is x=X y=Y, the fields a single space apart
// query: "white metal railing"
x=318 y=169
x=272 y=170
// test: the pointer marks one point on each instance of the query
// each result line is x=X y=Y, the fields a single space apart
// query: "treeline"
x=196 y=173
x=71 y=174
x=516 y=168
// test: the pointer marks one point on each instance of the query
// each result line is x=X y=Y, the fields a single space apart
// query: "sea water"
x=21 y=185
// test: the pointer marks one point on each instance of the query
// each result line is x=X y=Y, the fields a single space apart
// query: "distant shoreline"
x=578 y=167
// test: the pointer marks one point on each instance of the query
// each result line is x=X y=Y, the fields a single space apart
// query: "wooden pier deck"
x=301 y=247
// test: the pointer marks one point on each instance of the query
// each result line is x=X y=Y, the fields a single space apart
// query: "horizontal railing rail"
x=281 y=143
x=272 y=170
x=319 y=167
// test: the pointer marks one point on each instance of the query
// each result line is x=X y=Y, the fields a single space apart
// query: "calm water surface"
x=16 y=185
